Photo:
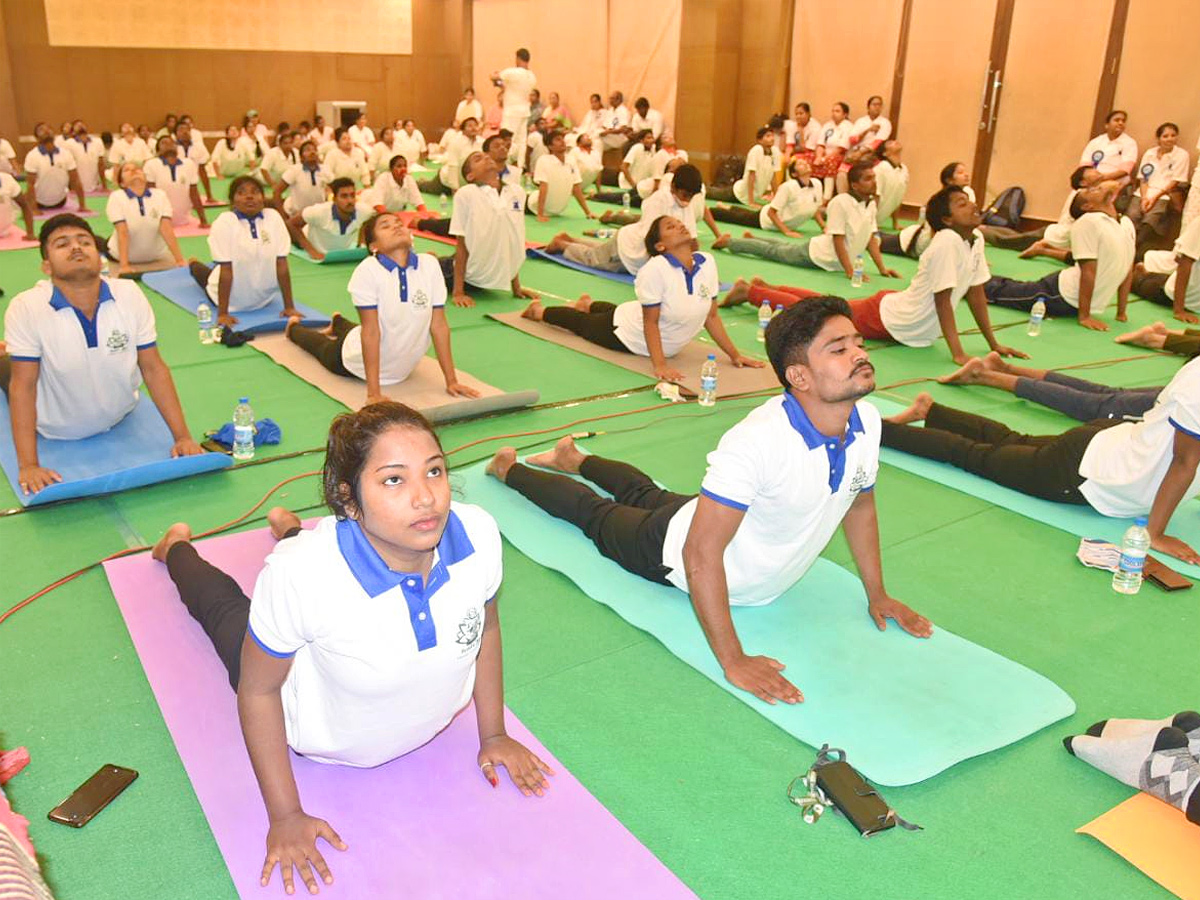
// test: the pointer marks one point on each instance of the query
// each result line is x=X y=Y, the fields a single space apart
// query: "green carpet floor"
x=695 y=775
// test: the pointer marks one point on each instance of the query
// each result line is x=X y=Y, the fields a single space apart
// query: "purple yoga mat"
x=426 y=825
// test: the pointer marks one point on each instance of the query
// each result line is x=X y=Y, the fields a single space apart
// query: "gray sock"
x=1188 y=722
x=1156 y=762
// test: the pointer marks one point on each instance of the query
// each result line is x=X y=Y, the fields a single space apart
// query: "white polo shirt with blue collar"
x=88 y=376
x=251 y=246
x=142 y=215
x=794 y=485
x=328 y=231
x=52 y=169
x=381 y=660
x=684 y=294
x=405 y=297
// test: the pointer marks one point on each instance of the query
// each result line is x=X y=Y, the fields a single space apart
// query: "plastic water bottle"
x=204 y=318
x=708 y=381
x=764 y=319
x=443 y=204
x=777 y=310
x=857 y=279
x=1128 y=577
x=243 y=430
x=606 y=233
x=1036 y=315
x=625 y=201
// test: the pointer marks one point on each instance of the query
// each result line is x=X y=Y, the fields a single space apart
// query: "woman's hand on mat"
x=1164 y=543
x=461 y=299
x=33 y=478
x=911 y=621
x=889 y=273
x=525 y=769
x=1185 y=316
x=666 y=373
x=292 y=843
x=760 y=676
x=186 y=447
x=226 y=320
x=1093 y=324
x=290 y=312
x=746 y=362
x=1010 y=351
x=525 y=294
x=454 y=389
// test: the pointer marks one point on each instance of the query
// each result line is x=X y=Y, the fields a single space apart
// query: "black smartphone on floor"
x=93 y=795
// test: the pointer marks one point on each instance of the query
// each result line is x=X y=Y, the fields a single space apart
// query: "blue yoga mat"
x=1082 y=521
x=622 y=276
x=134 y=452
x=178 y=286
x=903 y=708
x=354 y=254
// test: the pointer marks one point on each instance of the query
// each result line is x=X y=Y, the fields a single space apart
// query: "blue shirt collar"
x=688 y=273
x=58 y=301
x=132 y=196
x=246 y=218
x=343 y=224
x=835 y=448
x=391 y=265
x=373 y=574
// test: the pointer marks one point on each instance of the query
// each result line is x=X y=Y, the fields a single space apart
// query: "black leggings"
x=595 y=325
x=1152 y=286
x=436 y=225
x=215 y=601
x=1045 y=466
x=737 y=215
x=889 y=242
x=635 y=200
x=629 y=529
x=327 y=349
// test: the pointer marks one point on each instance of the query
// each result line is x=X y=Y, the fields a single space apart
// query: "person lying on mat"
x=401 y=299
x=850 y=230
x=306 y=182
x=488 y=224
x=677 y=294
x=1102 y=243
x=626 y=250
x=51 y=173
x=141 y=215
x=952 y=267
x=332 y=225
x=12 y=198
x=249 y=244
x=778 y=485
x=78 y=347
x=1120 y=469
x=1166 y=277
x=366 y=634
x=179 y=178
x=1157 y=336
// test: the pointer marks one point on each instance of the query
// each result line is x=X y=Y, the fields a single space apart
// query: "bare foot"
x=1034 y=249
x=606 y=217
x=559 y=243
x=584 y=303
x=533 y=311
x=294 y=320
x=968 y=374
x=994 y=362
x=739 y=293
x=565 y=457
x=505 y=459
x=282 y=521
x=915 y=413
x=1146 y=336
x=722 y=242
x=180 y=531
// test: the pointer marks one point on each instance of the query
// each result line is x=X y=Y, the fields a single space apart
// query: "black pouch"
x=837 y=784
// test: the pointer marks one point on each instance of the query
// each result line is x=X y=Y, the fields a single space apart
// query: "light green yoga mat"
x=1078 y=520
x=904 y=709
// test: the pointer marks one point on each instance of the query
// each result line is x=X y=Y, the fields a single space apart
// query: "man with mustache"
x=79 y=345
x=778 y=485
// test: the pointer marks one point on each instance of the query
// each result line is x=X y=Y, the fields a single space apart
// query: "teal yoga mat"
x=904 y=709
x=1082 y=521
x=354 y=254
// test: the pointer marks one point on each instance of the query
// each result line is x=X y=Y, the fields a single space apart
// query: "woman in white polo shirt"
x=366 y=634
x=234 y=154
x=677 y=292
x=1162 y=176
x=179 y=178
x=347 y=160
x=796 y=201
x=401 y=300
x=249 y=244
x=128 y=147
x=757 y=184
x=832 y=145
x=144 y=237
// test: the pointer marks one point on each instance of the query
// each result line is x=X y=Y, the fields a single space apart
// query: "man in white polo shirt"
x=191 y=146
x=646 y=119
x=50 y=173
x=517 y=81
x=614 y=122
x=1114 y=153
x=778 y=486
x=332 y=225
x=488 y=224
x=79 y=345
x=757 y=184
x=89 y=157
x=303 y=184
x=177 y=177
x=850 y=229
x=1102 y=242
x=557 y=180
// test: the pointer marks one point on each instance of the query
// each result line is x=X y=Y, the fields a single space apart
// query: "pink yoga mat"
x=192 y=229
x=71 y=206
x=14 y=239
x=426 y=825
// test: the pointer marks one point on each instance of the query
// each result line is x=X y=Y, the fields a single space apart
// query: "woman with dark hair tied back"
x=367 y=633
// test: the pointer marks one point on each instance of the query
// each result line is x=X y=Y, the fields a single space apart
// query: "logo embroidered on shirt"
x=117 y=341
x=420 y=300
x=704 y=292
x=859 y=481
x=468 y=629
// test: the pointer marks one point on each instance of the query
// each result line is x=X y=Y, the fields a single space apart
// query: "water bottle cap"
x=712 y=356
x=243 y=399
x=1141 y=520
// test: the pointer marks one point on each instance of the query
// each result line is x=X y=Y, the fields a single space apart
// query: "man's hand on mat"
x=760 y=676
x=454 y=389
x=524 y=767
x=186 y=447
x=292 y=842
x=290 y=312
x=33 y=478
x=912 y=622
x=888 y=273
x=1175 y=547
x=1093 y=324
x=526 y=294
x=461 y=299
x=1010 y=351
x=1185 y=316
x=226 y=320
x=746 y=362
x=666 y=373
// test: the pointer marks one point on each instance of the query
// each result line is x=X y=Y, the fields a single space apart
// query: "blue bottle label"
x=1132 y=564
